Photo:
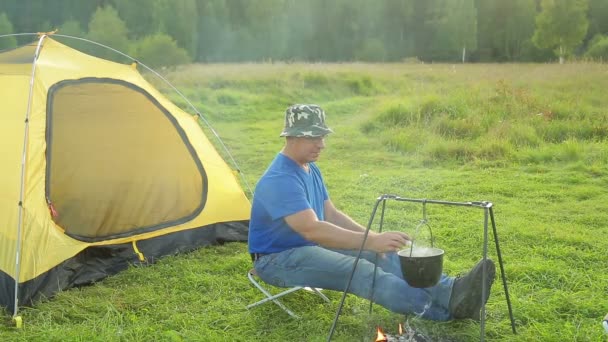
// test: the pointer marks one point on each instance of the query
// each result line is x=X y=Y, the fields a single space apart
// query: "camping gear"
x=252 y=275
x=488 y=218
x=98 y=170
x=421 y=266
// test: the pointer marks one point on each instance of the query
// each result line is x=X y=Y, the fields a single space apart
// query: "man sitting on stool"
x=297 y=237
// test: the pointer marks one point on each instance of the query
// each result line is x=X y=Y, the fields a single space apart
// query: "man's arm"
x=340 y=219
x=330 y=235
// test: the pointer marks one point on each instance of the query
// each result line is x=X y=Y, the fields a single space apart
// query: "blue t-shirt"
x=284 y=189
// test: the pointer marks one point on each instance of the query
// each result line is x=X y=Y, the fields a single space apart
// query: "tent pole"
x=22 y=191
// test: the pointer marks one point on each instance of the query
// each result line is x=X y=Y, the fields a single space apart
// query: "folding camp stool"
x=274 y=298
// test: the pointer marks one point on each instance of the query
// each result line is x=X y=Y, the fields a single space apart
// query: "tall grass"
x=503 y=124
x=529 y=138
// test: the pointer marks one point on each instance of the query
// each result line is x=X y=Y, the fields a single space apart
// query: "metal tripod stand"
x=488 y=215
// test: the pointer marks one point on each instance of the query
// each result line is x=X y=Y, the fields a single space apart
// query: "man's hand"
x=387 y=242
x=329 y=235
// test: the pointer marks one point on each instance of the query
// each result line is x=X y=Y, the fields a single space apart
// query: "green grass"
x=529 y=138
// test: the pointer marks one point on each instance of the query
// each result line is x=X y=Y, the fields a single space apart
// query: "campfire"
x=405 y=334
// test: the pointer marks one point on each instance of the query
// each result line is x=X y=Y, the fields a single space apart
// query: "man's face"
x=309 y=148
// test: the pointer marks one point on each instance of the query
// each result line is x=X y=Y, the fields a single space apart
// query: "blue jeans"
x=316 y=266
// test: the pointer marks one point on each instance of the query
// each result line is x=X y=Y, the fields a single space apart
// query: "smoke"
x=419 y=252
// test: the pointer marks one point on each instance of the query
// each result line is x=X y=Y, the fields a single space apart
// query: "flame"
x=400 y=329
x=381 y=337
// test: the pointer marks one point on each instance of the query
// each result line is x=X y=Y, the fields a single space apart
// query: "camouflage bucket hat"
x=305 y=121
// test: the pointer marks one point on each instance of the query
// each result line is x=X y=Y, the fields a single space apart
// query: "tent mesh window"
x=117 y=162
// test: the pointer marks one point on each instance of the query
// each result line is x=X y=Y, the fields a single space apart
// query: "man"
x=297 y=237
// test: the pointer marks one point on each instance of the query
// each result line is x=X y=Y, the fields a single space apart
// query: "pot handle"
x=423 y=222
x=420 y=224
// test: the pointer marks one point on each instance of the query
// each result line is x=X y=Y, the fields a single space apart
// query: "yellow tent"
x=99 y=170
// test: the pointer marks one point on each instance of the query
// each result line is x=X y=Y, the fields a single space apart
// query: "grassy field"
x=532 y=139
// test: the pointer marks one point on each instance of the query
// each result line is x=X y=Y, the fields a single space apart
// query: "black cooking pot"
x=422 y=266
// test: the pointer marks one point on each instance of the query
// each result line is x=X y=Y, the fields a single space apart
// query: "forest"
x=165 y=32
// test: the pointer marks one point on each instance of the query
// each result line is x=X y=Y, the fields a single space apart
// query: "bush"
x=397 y=114
x=108 y=29
x=5 y=28
x=430 y=111
x=361 y=85
x=494 y=149
x=466 y=128
x=160 y=50
x=433 y=106
x=598 y=48
x=440 y=149
x=570 y=150
x=521 y=135
x=555 y=131
x=72 y=28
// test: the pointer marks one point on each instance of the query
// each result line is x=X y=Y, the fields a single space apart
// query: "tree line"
x=181 y=31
